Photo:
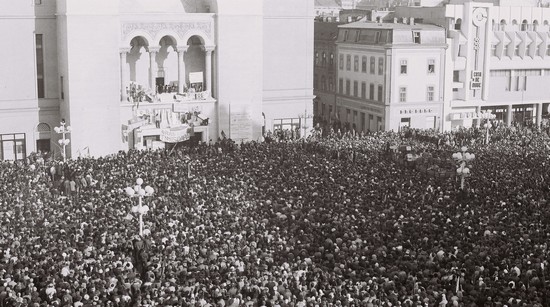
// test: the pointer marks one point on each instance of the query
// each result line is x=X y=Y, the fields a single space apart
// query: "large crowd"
x=328 y=221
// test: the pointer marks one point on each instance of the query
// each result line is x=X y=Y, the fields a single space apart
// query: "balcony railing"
x=149 y=97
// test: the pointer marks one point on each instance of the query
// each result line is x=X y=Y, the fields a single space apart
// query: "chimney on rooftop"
x=395 y=20
x=405 y=20
x=411 y=21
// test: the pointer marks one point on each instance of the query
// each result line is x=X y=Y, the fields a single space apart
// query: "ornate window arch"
x=43 y=127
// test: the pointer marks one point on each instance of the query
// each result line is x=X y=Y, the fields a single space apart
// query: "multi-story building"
x=390 y=75
x=498 y=59
x=325 y=60
x=135 y=73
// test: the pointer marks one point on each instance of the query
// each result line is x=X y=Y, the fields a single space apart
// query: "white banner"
x=195 y=77
x=175 y=135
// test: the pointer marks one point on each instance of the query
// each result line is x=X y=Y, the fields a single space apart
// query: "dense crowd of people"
x=329 y=221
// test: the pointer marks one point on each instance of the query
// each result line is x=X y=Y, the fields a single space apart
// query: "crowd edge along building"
x=138 y=74
x=498 y=58
x=390 y=75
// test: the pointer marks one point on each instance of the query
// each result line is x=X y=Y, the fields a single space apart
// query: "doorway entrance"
x=43 y=145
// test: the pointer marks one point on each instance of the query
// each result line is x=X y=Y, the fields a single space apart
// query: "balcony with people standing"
x=167 y=67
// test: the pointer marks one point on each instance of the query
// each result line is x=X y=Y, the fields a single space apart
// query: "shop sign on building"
x=477 y=80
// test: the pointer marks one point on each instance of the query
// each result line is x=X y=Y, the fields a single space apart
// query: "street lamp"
x=139 y=192
x=63 y=130
x=462 y=158
x=487 y=116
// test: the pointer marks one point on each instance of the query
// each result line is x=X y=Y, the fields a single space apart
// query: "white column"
x=124 y=79
x=153 y=68
x=181 y=68
x=208 y=68
x=539 y=114
x=509 y=116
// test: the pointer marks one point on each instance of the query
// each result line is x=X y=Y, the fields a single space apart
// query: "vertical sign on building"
x=479 y=20
x=476 y=82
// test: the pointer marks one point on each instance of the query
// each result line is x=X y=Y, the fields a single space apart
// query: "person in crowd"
x=287 y=223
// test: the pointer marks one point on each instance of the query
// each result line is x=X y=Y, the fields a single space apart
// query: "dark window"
x=416 y=37
x=40 y=66
x=363 y=90
x=13 y=147
x=403 y=67
x=372 y=65
x=371 y=91
x=402 y=94
x=380 y=93
x=458 y=24
x=355 y=88
x=456 y=76
x=431 y=66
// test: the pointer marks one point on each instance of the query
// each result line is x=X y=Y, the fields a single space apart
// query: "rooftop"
x=327 y=3
x=387 y=25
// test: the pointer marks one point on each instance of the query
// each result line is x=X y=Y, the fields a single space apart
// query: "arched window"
x=43 y=127
x=515 y=26
x=458 y=24
x=524 y=25
x=503 y=25
x=535 y=25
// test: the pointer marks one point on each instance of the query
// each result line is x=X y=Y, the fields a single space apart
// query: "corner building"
x=498 y=59
x=390 y=75
x=139 y=74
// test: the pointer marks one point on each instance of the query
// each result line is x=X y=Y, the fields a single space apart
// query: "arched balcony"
x=151 y=68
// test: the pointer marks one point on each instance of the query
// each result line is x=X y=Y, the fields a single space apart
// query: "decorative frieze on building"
x=153 y=28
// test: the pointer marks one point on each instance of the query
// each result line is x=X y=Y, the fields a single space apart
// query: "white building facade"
x=390 y=75
x=139 y=74
x=498 y=59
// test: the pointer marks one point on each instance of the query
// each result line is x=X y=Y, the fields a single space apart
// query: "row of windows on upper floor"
x=513 y=26
x=364 y=59
x=324 y=59
x=325 y=84
x=403 y=65
x=517 y=79
x=519 y=50
x=375 y=37
x=370 y=36
x=430 y=91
